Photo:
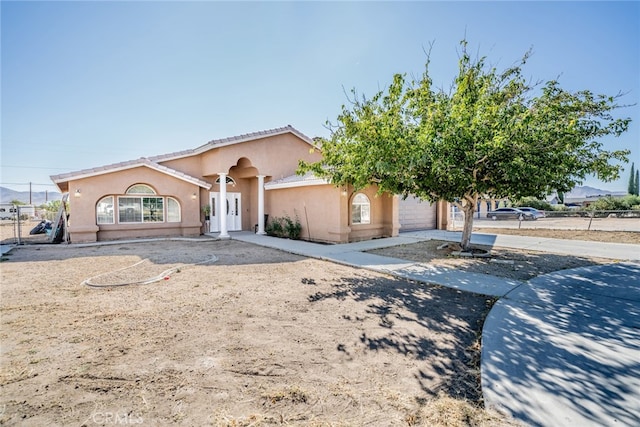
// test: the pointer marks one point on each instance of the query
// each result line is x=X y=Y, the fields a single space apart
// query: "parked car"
x=510 y=213
x=536 y=213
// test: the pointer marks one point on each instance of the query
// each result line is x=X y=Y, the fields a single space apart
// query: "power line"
x=26 y=183
x=32 y=167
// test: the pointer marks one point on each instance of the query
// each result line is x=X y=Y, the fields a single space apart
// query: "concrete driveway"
x=564 y=349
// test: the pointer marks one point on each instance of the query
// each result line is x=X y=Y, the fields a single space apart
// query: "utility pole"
x=29 y=192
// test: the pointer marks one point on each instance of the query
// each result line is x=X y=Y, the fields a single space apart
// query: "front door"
x=232 y=209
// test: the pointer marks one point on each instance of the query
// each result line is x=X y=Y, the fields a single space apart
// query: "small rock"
x=462 y=254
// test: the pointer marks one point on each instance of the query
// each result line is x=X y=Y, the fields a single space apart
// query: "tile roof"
x=143 y=161
x=216 y=143
x=152 y=162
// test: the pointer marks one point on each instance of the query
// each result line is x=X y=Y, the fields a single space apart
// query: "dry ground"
x=259 y=337
x=512 y=263
x=252 y=336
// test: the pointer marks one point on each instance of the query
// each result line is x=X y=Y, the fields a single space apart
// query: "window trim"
x=168 y=198
x=113 y=211
x=137 y=198
x=125 y=196
x=361 y=204
x=141 y=198
x=132 y=187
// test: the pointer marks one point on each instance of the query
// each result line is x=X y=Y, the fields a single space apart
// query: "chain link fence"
x=16 y=229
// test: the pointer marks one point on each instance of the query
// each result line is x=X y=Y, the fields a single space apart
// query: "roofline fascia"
x=211 y=145
x=295 y=184
x=122 y=168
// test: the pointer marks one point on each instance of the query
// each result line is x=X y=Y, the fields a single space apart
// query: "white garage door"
x=416 y=214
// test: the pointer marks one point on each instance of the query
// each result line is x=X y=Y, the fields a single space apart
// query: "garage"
x=416 y=214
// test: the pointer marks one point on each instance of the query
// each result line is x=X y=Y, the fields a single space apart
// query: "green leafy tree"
x=493 y=133
x=632 y=187
x=636 y=187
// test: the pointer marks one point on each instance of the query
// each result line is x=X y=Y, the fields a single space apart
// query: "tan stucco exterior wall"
x=83 y=225
x=384 y=216
x=324 y=212
x=275 y=156
x=319 y=209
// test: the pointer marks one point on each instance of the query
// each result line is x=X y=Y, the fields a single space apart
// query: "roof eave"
x=279 y=186
x=65 y=178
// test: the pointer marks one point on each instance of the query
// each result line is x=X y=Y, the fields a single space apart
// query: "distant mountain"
x=8 y=195
x=586 y=191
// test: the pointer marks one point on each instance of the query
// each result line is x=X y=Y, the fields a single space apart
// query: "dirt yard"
x=251 y=336
x=235 y=334
x=511 y=263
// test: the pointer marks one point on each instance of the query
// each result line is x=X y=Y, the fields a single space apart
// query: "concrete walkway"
x=564 y=349
x=355 y=255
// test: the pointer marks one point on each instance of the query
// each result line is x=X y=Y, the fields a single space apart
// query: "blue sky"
x=86 y=84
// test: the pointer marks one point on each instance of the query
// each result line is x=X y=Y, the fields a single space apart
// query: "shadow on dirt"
x=438 y=327
x=568 y=343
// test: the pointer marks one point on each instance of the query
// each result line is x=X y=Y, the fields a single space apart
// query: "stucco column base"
x=224 y=237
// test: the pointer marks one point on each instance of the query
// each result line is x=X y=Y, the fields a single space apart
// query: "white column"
x=223 y=206
x=261 y=204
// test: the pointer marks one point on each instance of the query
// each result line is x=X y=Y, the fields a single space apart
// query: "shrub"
x=292 y=228
x=275 y=227
x=284 y=227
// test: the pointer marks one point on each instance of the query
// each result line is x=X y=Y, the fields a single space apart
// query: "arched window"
x=229 y=181
x=173 y=210
x=360 y=209
x=138 y=207
x=140 y=189
x=140 y=204
x=104 y=211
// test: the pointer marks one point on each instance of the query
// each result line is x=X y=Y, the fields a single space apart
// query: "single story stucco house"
x=243 y=180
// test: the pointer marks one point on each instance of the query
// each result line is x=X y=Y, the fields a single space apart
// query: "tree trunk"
x=469 y=208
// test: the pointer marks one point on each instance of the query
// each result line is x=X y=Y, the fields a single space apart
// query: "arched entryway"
x=237 y=199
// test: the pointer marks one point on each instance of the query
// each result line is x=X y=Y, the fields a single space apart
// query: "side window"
x=104 y=211
x=360 y=209
x=173 y=210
